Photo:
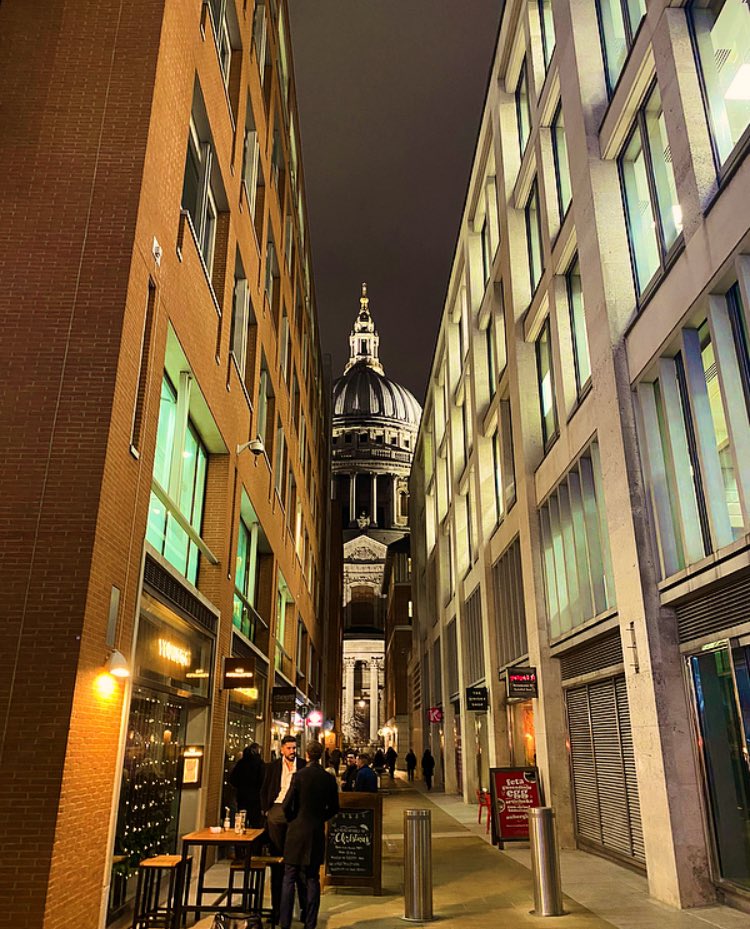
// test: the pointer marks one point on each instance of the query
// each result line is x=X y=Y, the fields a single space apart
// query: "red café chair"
x=484 y=802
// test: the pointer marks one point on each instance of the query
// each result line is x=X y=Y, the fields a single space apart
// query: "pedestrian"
x=311 y=801
x=428 y=767
x=276 y=782
x=378 y=762
x=247 y=779
x=336 y=760
x=367 y=779
x=411 y=764
x=391 y=756
x=350 y=775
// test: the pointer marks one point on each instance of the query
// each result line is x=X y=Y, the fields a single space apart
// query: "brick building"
x=159 y=314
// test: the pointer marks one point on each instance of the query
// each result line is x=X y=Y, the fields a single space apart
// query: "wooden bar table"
x=204 y=839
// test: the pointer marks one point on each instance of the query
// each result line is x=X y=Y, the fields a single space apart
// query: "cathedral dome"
x=364 y=393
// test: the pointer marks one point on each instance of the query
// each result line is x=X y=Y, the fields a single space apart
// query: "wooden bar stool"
x=263 y=862
x=148 y=910
x=253 y=883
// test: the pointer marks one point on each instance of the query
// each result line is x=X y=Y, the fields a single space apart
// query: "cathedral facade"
x=375 y=424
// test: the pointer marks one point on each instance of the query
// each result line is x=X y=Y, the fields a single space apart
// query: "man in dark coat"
x=273 y=793
x=313 y=798
x=391 y=756
x=350 y=774
x=247 y=778
x=411 y=764
x=428 y=767
x=367 y=779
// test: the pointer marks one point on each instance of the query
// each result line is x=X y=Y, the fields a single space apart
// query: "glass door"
x=721 y=685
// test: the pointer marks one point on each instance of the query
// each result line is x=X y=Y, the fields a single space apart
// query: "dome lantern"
x=364 y=341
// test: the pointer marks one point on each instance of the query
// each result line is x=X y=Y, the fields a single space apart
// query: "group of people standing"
x=293 y=799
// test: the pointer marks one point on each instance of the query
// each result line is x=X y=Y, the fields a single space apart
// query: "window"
x=484 y=235
x=241 y=313
x=618 y=24
x=562 y=168
x=265 y=409
x=575 y=547
x=179 y=482
x=523 y=109
x=502 y=463
x=510 y=612
x=244 y=616
x=721 y=33
x=284 y=346
x=272 y=276
x=546 y=384
x=280 y=462
x=259 y=34
x=250 y=158
x=547 y=23
x=654 y=214
x=199 y=193
x=534 y=237
x=489 y=335
x=581 y=360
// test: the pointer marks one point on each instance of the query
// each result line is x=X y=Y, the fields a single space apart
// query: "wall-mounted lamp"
x=255 y=445
x=117 y=664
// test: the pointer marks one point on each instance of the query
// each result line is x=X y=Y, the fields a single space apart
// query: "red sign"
x=514 y=791
x=435 y=714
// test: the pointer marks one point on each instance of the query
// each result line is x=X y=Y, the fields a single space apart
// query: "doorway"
x=721 y=687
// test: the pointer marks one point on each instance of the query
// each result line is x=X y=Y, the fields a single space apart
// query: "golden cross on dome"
x=364 y=300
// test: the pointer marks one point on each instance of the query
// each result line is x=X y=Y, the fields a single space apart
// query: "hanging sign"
x=514 y=791
x=283 y=700
x=476 y=699
x=238 y=673
x=522 y=682
x=314 y=719
x=435 y=714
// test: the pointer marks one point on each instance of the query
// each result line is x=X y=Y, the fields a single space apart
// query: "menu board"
x=350 y=841
x=514 y=792
x=354 y=853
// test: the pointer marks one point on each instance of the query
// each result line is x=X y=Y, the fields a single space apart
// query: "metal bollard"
x=545 y=862
x=418 y=865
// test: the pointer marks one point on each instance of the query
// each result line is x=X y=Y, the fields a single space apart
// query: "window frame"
x=523 y=78
x=581 y=388
x=534 y=195
x=564 y=209
x=547 y=439
x=630 y=37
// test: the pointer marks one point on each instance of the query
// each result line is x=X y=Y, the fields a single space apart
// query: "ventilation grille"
x=719 y=609
x=241 y=649
x=162 y=582
x=596 y=655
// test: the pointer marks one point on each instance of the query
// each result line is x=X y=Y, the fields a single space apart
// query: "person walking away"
x=247 y=779
x=350 y=775
x=367 y=779
x=428 y=767
x=411 y=764
x=336 y=760
x=276 y=782
x=391 y=756
x=312 y=799
x=378 y=762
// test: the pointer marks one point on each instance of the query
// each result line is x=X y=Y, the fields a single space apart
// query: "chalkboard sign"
x=350 y=835
x=354 y=842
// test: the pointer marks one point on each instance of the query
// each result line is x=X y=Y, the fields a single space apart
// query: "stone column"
x=374 y=677
x=348 y=708
x=352 y=497
x=394 y=500
x=374 y=501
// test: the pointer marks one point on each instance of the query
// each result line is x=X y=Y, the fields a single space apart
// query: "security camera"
x=256 y=446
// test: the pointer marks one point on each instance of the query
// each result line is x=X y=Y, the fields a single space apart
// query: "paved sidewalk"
x=476 y=886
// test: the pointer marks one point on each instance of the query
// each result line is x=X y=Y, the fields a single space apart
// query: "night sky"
x=390 y=96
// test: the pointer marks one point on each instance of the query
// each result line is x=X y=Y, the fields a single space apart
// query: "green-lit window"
x=244 y=616
x=534 y=237
x=546 y=385
x=180 y=485
x=547 y=24
x=721 y=33
x=562 y=166
x=581 y=360
x=523 y=109
x=653 y=211
x=618 y=23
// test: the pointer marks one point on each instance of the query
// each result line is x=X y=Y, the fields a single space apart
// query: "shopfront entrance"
x=521 y=733
x=720 y=677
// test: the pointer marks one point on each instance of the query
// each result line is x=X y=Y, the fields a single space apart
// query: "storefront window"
x=245 y=725
x=721 y=32
x=721 y=684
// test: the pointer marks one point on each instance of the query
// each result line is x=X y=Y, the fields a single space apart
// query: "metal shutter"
x=605 y=787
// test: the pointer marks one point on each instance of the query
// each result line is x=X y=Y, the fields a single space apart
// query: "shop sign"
x=314 y=719
x=238 y=673
x=522 y=682
x=283 y=700
x=476 y=699
x=170 y=654
x=514 y=791
x=435 y=714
